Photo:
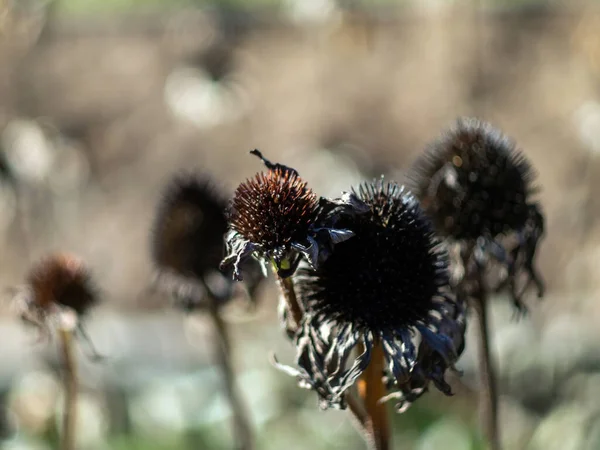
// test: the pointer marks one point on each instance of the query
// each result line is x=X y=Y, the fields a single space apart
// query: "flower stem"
x=296 y=312
x=371 y=389
x=358 y=414
x=70 y=388
x=241 y=421
x=488 y=397
x=293 y=307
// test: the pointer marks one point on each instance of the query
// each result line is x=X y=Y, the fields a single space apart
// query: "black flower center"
x=273 y=209
x=386 y=276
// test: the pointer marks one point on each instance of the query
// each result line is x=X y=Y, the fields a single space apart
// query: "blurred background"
x=102 y=101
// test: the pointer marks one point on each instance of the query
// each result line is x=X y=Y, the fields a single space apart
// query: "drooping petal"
x=238 y=250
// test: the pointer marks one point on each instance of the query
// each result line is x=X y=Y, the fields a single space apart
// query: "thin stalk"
x=241 y=421
x=488 y=396
x=371 y=389
x=70 y=388
x=358 y=414
x=295 y=312
x=293 y=307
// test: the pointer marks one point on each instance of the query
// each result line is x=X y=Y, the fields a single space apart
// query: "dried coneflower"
x=187 y=243
x=187 y=247
x=273 y=217
x=380 y=292
x=478 y=189
x=59 y=291
x=57 y=283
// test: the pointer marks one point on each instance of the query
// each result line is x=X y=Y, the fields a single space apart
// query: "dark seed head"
x=387 y=275
x=61 y=279
x=474 y=182
x=273 y=209
x=189 y=227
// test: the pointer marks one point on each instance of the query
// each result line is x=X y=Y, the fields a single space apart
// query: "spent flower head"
x=58 y=289
x=187 y=242
x=273 y=217
x=477 y=187
x=388 y=286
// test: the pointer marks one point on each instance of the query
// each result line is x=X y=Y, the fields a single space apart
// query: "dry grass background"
x=119 y=105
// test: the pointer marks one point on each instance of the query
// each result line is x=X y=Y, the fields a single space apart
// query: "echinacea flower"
x=187 y=242
x=57 y=284
x=273 y=218
x=477 y=187
x=385 y=286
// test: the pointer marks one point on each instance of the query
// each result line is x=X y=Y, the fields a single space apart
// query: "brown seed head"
x=273 y=209
x=61 y=279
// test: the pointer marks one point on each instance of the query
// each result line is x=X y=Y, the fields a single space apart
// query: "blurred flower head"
x=473 y=182
x=187 y=241
x=477 y=187
x=385 y=286
x=58 y=287
x=273 y=217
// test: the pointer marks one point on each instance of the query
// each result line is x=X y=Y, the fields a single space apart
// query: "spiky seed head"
x=189 y=226
x=277 y=220
x=273 y=209
x=473 y=182
x=387 y=275
x=61 y=279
